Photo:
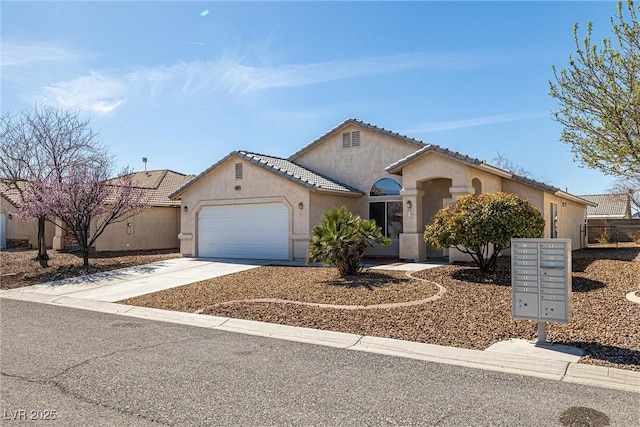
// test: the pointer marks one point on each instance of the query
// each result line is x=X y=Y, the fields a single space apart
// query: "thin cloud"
x=16 y=54
x=473 y=122
x=103 y=93
x=95 y=92
x=244 y=78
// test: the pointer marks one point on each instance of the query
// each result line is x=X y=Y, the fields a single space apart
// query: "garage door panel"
x=244 y=231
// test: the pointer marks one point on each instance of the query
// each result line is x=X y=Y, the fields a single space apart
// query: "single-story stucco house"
x=250 y=205
x=157 y=227
x=15 y=232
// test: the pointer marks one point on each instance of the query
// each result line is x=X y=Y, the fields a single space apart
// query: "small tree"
x=599 y=97
x=42 y=145
x=85 y=203
x=341 y=239
x=482 y=226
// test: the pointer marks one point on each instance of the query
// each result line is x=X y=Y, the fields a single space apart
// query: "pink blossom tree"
x=85 y=203
x=44 y=144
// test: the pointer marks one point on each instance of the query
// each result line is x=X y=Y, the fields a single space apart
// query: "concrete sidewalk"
x=99 y=292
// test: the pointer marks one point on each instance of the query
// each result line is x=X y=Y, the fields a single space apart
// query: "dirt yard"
x=474 y=313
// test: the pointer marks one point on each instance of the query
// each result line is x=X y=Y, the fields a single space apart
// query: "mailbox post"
x=541 y=281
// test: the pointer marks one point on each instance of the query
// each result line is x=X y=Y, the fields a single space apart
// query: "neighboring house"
x=250 y=205
x=15 y=232
x=611 y=220
x=155 y=228
x=608 y=206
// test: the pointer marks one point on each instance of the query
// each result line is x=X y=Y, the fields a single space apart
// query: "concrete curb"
x=572 y=372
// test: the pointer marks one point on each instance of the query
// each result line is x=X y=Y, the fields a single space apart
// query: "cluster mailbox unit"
x=541 y=281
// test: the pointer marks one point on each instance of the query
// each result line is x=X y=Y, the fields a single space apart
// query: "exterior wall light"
x=408 y=204
x=186 y=209
x=300 y=205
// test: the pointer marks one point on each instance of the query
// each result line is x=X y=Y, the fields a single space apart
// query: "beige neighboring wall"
x=154 y=228
x=257 y=185
x=359 y=167
x=20 y=229
x=571 y=216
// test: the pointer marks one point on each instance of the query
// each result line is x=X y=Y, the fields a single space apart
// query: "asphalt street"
x=86 y=368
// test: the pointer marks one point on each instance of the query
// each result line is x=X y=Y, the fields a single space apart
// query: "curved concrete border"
x=441 y=291
x=634 y=296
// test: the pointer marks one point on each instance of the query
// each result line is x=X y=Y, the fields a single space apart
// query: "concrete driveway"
x=116 y=285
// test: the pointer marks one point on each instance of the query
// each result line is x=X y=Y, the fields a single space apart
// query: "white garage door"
x=259 y=231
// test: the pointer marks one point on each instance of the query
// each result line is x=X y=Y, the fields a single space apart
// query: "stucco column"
x=412 y=244
x=58 y=238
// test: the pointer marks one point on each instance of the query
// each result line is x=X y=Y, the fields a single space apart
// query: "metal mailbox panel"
x=526 y=281
x=532 y=257
x=554 y=257
x=526 y=305
x=551 y=291
x=555 y=272
x=552 y=245
x=526 y=263
x=551 y=297
x=525 y=271
x=552 y=264
x=518 y=245
x=553 y=310
x=541 y=269
x=552 y=251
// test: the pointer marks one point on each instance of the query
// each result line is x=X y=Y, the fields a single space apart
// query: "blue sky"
x=185 y=83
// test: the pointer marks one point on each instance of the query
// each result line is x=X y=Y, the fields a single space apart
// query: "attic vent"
x=238 y=170
x=351 y=139
x=355 y=139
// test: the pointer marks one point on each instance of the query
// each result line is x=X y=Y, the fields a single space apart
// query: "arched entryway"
x=436 y=196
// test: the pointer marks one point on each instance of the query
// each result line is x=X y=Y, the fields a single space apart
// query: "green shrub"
x=341 y=239
x=484 y=225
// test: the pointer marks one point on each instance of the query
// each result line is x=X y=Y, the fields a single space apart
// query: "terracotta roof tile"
x=297 y=173
x=159 y=184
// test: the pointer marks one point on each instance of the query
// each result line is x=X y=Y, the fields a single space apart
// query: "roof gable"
x=359 y=123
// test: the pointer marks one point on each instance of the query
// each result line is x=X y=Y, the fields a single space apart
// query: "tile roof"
x=283 y=167
x=298 y=174
x=159 y=184
x=472 y=161
x=10 y=192
x=608 y=205
x=362 y=124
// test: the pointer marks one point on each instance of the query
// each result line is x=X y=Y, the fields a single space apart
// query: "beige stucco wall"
x=571 y=216
x=256 y=186
x=21 y=229
x=154 y=228
x=359 y=167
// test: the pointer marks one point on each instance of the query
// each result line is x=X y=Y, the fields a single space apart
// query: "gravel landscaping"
x=18 y=268
x=474 y=312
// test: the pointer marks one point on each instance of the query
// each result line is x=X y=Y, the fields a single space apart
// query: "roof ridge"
x=358 y=122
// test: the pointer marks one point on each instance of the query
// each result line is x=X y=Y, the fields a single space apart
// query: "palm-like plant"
x=341 y=239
